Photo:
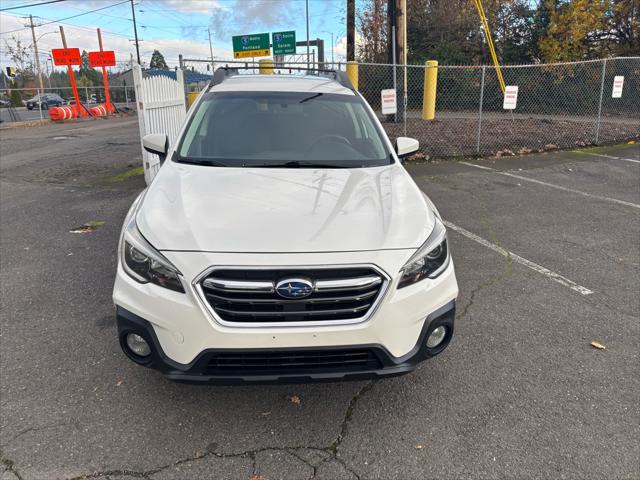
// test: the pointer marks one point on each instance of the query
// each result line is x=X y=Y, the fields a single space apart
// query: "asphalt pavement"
x=547 y=254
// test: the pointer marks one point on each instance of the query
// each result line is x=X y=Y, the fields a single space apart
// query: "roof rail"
x=222 y=73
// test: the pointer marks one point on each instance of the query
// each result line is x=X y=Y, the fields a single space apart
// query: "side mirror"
x=157 y=143
x=406 y=146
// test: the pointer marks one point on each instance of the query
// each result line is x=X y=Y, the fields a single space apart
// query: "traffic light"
x=11 y=71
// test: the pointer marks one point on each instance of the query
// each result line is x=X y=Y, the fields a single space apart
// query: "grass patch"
x=604 y=148
x=132 y=172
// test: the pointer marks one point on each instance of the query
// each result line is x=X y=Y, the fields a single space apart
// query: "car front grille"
x=249 y=296
x=291 y=362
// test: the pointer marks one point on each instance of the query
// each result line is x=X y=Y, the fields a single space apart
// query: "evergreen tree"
x=157 y=61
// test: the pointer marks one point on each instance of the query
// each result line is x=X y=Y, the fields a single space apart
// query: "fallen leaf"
x=418 y=447
x=295 y=399
x=83 y=229
x=598 y=345
x=631 y=142
x=119 y=383
x=258 y=477
x=88 y=227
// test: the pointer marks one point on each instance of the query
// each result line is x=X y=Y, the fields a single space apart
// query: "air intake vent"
x=290 y=362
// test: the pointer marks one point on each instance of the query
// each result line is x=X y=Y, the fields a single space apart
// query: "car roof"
x=281 y=83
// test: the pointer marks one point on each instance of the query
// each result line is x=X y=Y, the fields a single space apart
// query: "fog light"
x=437 y=336
x=139 y=345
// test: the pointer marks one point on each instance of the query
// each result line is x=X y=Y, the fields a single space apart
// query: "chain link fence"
x=558 y=106
x=12 y=110
x=564 y=105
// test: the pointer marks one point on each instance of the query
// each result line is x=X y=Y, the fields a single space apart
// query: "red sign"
x=102 y=59
x=66 y=56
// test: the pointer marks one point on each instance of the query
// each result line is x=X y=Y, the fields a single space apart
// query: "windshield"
x=272 y=129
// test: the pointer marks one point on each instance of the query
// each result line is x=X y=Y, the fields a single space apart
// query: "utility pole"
x=135 y=31
x=35 y=49
x=351 y=30
x=307 y=15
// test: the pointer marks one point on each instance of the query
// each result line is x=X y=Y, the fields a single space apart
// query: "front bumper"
x=286 y=365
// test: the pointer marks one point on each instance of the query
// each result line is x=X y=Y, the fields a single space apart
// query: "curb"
x=28 y=123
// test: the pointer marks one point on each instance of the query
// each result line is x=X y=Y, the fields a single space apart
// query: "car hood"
x=283 y=210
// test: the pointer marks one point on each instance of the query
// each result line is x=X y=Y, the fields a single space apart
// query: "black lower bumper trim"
x=285 y=365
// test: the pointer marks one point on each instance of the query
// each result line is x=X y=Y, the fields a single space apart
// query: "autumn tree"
x=574 y=27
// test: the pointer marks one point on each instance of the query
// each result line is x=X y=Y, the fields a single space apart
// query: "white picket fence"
x=161 y=109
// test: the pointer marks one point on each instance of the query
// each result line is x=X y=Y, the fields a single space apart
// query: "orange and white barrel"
x=99 y=110
x=58 y=114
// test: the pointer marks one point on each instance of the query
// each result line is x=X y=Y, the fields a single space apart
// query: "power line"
x=67 y=18
x=30 y=5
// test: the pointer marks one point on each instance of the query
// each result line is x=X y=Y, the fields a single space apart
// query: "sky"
x=172 y=26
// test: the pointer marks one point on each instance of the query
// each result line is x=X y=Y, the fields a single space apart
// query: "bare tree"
x=22 y=58
x=371 y=21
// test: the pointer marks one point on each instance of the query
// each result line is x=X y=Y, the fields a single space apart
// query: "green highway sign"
x=254 y=45
x=284 y=43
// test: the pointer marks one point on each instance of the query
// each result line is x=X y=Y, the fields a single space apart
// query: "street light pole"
x=210 y=48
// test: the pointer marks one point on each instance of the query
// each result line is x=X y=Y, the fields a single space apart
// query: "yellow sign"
x=265 y=52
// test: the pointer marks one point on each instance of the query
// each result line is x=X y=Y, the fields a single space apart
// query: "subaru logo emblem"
x=294 y=288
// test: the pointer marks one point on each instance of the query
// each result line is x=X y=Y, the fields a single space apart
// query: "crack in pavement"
x=493 y=238
x=9 y=465
x=331 y=450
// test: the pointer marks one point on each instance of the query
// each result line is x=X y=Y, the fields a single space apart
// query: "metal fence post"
x=480 y=111
x=604 y=69
x=126 y=95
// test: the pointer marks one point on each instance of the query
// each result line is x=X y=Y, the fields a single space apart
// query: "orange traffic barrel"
x=99 y=110
x=63 y=113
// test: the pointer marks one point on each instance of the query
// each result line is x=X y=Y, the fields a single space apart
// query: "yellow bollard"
x=352 y=73
x=429 y=95
x=191 y=97
x=266 y=66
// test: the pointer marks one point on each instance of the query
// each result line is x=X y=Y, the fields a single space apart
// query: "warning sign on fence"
x=618 y=83
x=510 y=97
x=389 y=101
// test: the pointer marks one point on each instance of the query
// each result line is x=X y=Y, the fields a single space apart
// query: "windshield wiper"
x=201 y=161
x=294 y=164
x=310 y=98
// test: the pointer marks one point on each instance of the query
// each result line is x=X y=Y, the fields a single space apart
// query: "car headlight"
x=430 y=260
x=141 y=261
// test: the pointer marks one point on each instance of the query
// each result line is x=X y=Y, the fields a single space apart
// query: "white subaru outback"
x=283 y=241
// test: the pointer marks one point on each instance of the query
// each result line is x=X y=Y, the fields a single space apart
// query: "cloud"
x=253 y=17
x=341 y=46
x=85 y=38
x=191 y=6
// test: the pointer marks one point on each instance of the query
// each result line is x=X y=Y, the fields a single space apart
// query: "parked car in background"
x=46 y=100
x=5 y=102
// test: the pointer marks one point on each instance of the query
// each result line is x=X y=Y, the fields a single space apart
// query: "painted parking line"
x=602 y=155
x=557 y=187
x=556 y=277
